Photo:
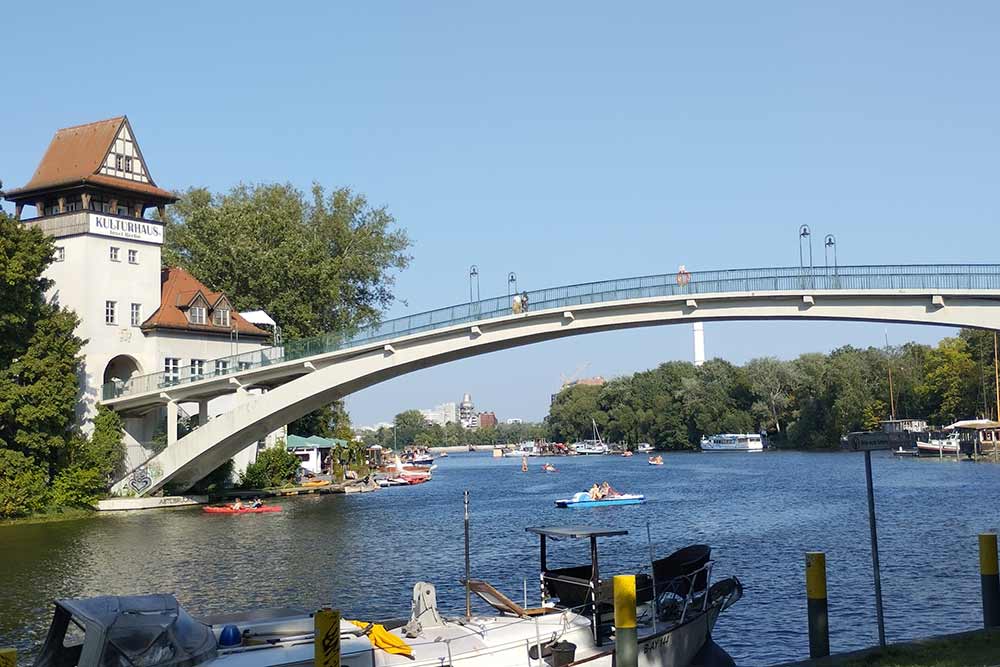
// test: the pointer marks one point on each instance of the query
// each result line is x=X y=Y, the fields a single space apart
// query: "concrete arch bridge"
x=303 y=375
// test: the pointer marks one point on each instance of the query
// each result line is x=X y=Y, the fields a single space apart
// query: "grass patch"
x=68 y=514
x=974 y=649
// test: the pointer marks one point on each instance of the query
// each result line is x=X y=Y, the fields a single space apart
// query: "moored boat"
x=733 y=442
x=655 y=460
x=644 y=447
x=677 y=609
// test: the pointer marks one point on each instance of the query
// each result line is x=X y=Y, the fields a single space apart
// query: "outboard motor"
x=424 y=613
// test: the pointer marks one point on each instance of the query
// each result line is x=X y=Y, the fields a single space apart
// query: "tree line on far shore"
x=808 y=402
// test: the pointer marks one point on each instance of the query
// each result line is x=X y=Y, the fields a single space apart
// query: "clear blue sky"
x=565 y=141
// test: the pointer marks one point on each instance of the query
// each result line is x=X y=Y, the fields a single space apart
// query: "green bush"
x=77 y=486
x=23 y=485
x=275 y=466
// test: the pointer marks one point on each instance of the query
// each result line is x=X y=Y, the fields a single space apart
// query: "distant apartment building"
x=446 y=413
x=515 y=420
x=487 y=419
x=467 y=412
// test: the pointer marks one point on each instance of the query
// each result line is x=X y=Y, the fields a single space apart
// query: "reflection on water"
x=363 y=553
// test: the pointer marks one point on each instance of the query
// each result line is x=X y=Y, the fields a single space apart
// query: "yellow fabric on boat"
x=383 y=639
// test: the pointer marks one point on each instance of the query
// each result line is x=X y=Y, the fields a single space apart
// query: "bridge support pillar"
x=203 y=415
x=171 y=422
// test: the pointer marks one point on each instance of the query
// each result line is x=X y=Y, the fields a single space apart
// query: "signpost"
x=867 y=442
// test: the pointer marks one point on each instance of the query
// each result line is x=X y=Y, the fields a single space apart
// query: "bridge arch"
x=121 y=369
x=309 y=383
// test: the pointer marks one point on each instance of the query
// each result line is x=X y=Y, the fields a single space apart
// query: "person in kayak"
x=257 y=502
x=238 y=505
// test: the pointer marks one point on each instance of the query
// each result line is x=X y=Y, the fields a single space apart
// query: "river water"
x=363 y=553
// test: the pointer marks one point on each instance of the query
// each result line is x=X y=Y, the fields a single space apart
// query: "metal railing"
x=859 y=278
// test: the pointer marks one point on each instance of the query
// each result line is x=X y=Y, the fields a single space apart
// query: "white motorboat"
x=733 y=442
x=591 y=447
x=526 y=448
x=950 y=445
x=644 y=447
x=574 y=622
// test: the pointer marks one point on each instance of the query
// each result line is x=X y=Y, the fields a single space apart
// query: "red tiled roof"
x=178 y=288
x=75 y=154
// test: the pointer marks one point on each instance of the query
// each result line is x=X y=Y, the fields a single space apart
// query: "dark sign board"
x=862 y=441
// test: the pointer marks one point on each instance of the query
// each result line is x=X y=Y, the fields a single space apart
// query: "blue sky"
x=564 y=141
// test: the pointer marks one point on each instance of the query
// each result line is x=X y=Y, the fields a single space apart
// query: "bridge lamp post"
x=511 y=283
x=473 y=283
x=830 y=242
x=805 y=234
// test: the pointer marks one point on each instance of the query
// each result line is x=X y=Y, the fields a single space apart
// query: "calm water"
x=760 y=512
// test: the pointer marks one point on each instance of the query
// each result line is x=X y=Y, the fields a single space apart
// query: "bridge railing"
x=864 y=278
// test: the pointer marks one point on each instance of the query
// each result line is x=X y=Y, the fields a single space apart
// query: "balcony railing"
x=860 y=278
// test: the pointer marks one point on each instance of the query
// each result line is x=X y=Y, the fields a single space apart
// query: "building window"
x=172 y=369
x=196 y=315
x=122 y=210
x=114 y=254
x=52 y=210
x=243 y=365
x=110 y=316
x=128 y=164
x=197 y=368
x=118 y=162
x=60 y=254
x=136 y=314
x=133 y=256
x=221 y=317
x=221 y=366
x=74 y=206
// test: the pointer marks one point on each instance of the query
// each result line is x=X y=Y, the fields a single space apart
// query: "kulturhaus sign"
x=147 y=231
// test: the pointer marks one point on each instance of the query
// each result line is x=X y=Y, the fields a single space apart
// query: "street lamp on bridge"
x=805 y=234
x=830 y=242
x=473 y=284
x=511 y=283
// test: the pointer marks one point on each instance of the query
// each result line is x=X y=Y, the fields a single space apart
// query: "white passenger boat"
x=950 y=445
x=733 y=442
x=526 y=448
x=644 y=447
x=573 y=623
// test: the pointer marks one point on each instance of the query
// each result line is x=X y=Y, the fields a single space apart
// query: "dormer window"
x=220 y=317
x=196 y=315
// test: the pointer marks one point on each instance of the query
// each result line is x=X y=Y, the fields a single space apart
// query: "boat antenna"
x=468 y=568
x=652 y=573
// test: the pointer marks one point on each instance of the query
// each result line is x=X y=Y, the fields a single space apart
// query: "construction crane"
x=566 y=381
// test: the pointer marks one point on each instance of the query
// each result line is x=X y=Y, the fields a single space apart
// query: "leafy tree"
x=771 y=382
x=25 y=252
x=23 y=485
x=571 y=413
x=78 y=486
x=950 y=383
x=274 y=467
x=104 y=451
x=319 y=264
x=409 y=424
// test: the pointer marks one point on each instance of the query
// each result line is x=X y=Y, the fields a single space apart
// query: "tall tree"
x=322 y=264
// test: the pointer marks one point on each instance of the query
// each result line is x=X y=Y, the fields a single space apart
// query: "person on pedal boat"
x=595 y=492
x=607 y=491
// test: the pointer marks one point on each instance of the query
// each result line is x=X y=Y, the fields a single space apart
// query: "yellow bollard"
x=989 y=576
x=326 y=641
x=8 y=657
x=626 y=634
x=819 y=623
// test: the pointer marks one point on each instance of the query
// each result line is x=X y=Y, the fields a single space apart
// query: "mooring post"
x=626 y=635
x=819 y=624
x=326 y=640
x=876 y=569
x=990 y=581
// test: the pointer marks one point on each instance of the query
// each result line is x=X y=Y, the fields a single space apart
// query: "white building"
x=91 y=192
x=467 y=412
x=515 y=420
x=446 y=413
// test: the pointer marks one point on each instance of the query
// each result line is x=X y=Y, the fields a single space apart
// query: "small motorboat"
x=548 y=467
x=655 y=460
x=317 y=482
x=246 y=510
x=583 y=499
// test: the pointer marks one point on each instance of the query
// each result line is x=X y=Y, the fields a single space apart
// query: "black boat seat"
x=504 y=604
x=674 y=573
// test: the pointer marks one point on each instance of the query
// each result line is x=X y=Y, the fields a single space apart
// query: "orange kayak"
x=245 y=510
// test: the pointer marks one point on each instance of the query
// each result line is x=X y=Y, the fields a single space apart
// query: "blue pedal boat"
x=583 y=499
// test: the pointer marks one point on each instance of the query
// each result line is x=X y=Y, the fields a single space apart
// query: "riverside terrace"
x=305 y=374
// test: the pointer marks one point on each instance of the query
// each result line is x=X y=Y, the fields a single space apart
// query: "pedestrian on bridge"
x=516 y=304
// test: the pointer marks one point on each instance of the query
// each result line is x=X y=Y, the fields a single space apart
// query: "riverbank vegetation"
x=411 y=429
x=46 y=464
x=808 y=402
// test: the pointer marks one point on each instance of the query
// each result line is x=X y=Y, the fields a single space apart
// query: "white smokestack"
x=699 y=343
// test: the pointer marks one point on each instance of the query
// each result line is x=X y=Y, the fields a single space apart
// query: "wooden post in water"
x=626 y=634
x=989 y=576
x=819 y=622
x=326 y=640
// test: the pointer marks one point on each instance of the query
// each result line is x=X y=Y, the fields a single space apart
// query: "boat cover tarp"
x=383 y=639
x=148 y=630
